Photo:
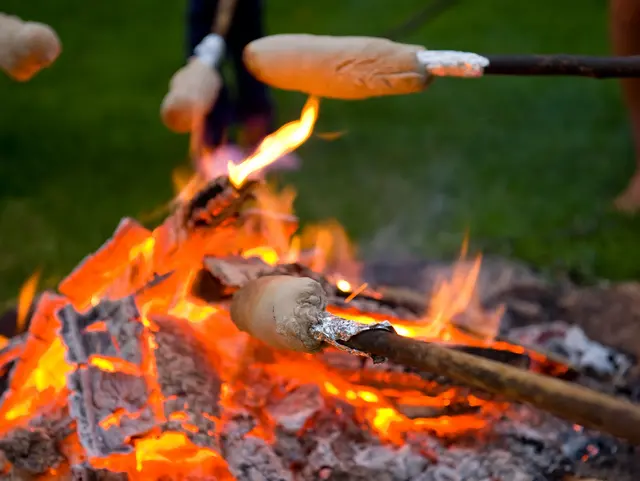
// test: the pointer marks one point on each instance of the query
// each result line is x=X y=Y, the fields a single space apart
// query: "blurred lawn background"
x=528 y=166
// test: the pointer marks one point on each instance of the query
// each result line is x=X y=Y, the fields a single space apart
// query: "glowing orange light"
x=266 y=253
x=286 y=139
x=27 y=293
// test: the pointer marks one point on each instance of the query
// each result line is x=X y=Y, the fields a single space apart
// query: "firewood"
x=289 y=313
x=116 y=396
x=222 y=276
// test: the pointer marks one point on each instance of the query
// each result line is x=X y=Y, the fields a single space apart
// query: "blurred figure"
x=251 y=107
x=625 y=32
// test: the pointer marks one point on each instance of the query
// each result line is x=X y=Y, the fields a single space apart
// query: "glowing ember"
x=130 y=263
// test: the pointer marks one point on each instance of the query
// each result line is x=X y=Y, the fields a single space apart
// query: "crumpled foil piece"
x=449 y=63
x=335 y=330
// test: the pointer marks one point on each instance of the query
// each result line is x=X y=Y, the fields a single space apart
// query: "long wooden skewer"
x=572 y=402
x=289 y=313
x=563 y=65
x=361 y=67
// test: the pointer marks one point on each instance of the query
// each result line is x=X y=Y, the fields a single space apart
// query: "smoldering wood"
x=188 y=383
x=234 y=272
x=575 y=403
x=216 y=205
x=226 y=275
x=283 y=310
x=9 y=354
x=34 y=449
x=319 y=455
x=120 y=340
x=222 y=276
x=95 y=394
x=84 y=472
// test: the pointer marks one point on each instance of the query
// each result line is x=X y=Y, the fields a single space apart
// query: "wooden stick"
x=572 y=402
x=564 y=65
x=289 y=313
x=417 y=301
x=353 y=68
x=194 y=88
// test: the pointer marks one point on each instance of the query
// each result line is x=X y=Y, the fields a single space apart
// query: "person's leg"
x=625 y=34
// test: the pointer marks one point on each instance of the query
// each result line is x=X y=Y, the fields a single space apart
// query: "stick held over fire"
x=288 y=313
x=195 y=87
x=353 y=68
x=26 y=47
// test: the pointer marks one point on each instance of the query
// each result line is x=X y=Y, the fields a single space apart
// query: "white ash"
x=31 y=450
x=95 y=395
x=187 y=380
x=319 y=437
x=84 y=472
x=122 y=327
x=250 y=458
x=293 y=412
x=573 y=343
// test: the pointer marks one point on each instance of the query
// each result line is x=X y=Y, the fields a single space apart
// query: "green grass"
x=520 y=159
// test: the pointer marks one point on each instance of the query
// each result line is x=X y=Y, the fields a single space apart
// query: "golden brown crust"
x=336 y=67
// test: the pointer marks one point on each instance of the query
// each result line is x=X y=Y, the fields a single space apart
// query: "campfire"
x=135 y=370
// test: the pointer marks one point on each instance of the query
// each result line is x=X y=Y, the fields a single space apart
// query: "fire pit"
x=134 y=370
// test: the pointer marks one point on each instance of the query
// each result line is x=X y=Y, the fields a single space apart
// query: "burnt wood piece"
x=222 y=276
x=9 y=355
x=574 y=403
x=184 y=377
x=217 y=204
x=34 y=449
x=121 y=341
x=186 y=390
x=564 y=65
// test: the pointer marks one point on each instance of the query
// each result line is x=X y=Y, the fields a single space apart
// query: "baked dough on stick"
x=288 y=312
x=354 y=68
x=351 y=68
x=26 y=47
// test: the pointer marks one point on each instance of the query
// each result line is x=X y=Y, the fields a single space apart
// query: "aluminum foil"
x=335 y=330
x=448 y=63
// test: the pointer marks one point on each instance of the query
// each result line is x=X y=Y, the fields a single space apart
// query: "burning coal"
x=134 y=370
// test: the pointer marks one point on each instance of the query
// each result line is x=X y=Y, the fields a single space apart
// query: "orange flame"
x=286 y=139
x=134 y=255
x=27 y=293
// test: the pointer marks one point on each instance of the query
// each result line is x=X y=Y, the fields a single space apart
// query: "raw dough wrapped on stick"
x=288 y=312
x=353 y=68
x=26 y=47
